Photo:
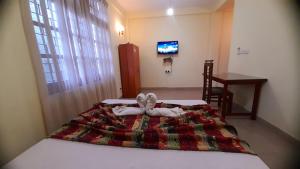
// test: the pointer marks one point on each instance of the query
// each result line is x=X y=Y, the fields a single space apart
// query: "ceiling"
x=134 y=6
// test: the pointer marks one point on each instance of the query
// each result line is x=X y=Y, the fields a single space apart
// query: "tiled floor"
x=271 y=145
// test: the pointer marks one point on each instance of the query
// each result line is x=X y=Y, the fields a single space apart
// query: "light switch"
x=241 y=51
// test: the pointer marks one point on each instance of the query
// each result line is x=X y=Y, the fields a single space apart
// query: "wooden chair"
x=211 y=94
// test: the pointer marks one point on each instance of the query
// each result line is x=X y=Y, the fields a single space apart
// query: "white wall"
x=199 y=39
x=266 y=29
x=192 y=32
x=117 y=16
x=21 y=122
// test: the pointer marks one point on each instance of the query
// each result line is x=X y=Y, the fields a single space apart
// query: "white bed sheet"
x=182 y=102
x=60 y=154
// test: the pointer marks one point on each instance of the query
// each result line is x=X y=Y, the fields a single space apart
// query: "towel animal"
x=142 y=101
x=150 y=110
x=124 y=111
x=167 y=112
x=147 y=105
x=150 y=101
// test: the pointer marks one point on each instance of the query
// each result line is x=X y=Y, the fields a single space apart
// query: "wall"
x=220 y=39
x=225 y=40
x=199 y=37
x=21 y=123
x=117 y=16
x=192 y=32
x=266 y=28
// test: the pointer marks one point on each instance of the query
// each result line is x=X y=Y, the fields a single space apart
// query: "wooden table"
x=237 y=79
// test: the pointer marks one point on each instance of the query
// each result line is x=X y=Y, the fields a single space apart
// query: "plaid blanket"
x=200 y=129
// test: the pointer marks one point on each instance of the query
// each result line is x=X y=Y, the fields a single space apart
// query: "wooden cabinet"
x=130 y=70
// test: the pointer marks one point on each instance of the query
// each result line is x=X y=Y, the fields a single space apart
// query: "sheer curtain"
x=71 y=53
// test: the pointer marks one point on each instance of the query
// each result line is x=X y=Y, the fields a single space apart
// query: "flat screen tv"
x=167 y=47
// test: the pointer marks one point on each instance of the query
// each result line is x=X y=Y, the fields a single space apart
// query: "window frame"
x=47 y=26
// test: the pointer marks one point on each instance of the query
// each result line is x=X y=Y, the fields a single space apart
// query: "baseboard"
x=279 y=131
x=171 y=88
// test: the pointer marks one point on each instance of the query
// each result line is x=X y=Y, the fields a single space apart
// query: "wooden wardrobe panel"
x=124 y=69
x=137 y=69
x=130 y=70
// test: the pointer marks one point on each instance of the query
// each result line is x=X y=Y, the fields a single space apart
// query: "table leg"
x=255 y=100
x=224 y=100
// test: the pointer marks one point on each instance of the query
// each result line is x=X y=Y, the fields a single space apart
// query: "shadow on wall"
x=243 y=95
x=2 y=155
x=295 y=158
x=3 y=4
x=268 y=106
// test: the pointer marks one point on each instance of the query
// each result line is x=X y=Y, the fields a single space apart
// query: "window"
x=43 y=41
x=71 y=55
x=88 y=43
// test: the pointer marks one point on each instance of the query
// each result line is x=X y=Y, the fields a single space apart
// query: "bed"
x=60 y=154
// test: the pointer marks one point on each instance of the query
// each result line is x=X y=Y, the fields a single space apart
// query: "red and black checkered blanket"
x=200 y=129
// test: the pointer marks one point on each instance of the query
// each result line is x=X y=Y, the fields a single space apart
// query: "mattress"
x=60 y=154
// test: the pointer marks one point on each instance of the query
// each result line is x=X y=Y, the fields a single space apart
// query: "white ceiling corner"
x=115 y=4
x=152 y=7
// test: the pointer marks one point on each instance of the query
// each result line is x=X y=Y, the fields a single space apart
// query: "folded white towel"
x=168 y=112
x=150 y=101
x=123 y=110
x=141 y=100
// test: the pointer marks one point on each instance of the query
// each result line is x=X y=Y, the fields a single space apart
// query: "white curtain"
x=71 y=54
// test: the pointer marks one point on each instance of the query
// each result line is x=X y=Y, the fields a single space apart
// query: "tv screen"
x=167 y=47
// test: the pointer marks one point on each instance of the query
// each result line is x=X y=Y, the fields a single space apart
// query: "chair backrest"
x=207 y=80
